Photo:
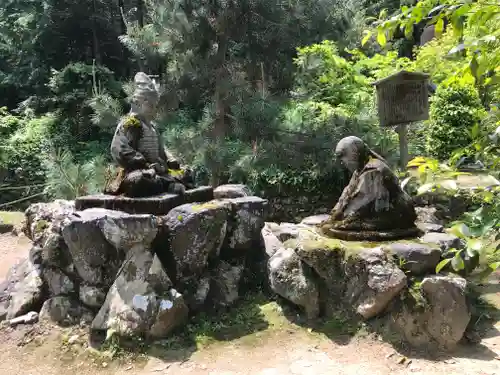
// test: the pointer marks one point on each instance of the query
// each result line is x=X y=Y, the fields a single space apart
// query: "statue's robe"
x=135 y=146
x=373 y=201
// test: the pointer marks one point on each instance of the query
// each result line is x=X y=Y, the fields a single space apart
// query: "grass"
x=12 y=217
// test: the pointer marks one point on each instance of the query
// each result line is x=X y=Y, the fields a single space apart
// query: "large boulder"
x=141 y=302
x=22 y=291
x=196 y=233
x=246 y=221
x=225 y=283
x=373 y=282
x=44 y=219
x=290 y=278
x=270 y=240
x=360 y=278
x=99 y=239
x=415 y=257
x=441 y=318
x=65 y=311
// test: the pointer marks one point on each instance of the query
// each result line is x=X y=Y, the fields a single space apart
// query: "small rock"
x=450 y=361
x=92 y=296
x=104 y=364
x=73 y=339
x=231 y=191
x=29 y=318
x=445 y=241
x=401 y=360
x=315 y=220
x=414 y=368
x=429 y=227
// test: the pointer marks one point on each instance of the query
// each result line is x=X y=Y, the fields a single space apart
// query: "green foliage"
x=67 y=180
x=24 y=152
x=475 y=27
x=476 y=257
x=431 y=176
x=324 y=76
x=455 y=109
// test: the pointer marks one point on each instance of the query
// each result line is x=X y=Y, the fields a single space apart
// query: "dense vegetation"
x=257 y=91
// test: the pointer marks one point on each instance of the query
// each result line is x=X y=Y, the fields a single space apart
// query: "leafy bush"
x=24 y=153
x=455 y=109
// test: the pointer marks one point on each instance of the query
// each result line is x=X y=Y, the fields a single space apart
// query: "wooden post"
x=403 y=145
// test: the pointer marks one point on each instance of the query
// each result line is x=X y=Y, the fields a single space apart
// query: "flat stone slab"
x=155 y=205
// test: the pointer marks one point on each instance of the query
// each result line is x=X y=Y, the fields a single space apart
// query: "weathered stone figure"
x=146 y=168
x=372 y=206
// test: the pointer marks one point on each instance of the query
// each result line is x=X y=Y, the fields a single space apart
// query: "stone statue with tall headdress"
x=373 y=206
x=146 y=168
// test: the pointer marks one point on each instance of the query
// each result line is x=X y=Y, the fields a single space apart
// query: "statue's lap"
x=155 y=205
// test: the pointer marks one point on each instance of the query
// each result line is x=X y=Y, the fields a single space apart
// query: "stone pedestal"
x=156 y=205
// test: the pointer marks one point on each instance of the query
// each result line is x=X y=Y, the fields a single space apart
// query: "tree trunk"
x=140 y=13
x=219 y=129
x=95 y=41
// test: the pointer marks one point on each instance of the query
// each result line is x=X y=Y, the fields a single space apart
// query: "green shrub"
x=23 y=155
x=455 y=109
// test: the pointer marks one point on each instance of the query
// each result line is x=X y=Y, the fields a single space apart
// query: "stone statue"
x=146 y=168
x=373 y=206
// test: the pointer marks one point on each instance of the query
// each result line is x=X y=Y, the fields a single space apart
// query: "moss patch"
x=41 y=225
x=204 y=206
x=347 y=248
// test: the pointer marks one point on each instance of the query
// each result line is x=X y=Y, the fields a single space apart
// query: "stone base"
x=397 y=234
x=156 y=205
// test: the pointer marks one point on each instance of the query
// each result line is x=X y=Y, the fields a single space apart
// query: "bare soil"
x=282 y=348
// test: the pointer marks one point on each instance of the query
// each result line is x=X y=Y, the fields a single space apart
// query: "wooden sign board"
x=403 y=98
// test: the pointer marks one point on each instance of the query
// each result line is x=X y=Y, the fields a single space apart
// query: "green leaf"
x=405 y=182
x=366 y=38
x=473 y=66
x=449 y=185
x=425 y=188
x=442 y=264
x=460 y=230
x=439 y=26
x=475 y=244
x=381 y=38
x=457 y=262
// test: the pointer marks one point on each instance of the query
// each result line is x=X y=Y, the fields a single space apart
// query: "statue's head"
x=353 y=152
x=145 y=98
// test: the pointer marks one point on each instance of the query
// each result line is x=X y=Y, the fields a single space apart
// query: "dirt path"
x=12 y=250
x=281 y=349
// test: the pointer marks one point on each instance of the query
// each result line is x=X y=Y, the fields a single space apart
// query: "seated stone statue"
x=146 y=168
x=372 y=206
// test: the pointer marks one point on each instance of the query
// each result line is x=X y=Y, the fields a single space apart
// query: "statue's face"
x=146 y=108
x=349 y=157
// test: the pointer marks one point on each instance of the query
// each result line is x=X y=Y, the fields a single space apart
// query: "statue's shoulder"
x=375 y=164
x=130 y=121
